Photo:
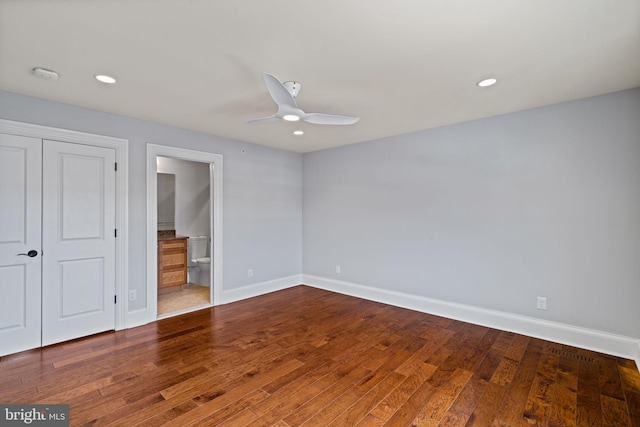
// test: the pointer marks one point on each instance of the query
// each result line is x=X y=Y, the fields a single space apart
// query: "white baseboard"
x=141 y=317
x=589 y=339
x=603 y=342
x=257 y=289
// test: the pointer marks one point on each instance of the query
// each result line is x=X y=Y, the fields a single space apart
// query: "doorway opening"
x=184 y=230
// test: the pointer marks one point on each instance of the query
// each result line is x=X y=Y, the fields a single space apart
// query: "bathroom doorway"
x=184 y=198
x=183 y=224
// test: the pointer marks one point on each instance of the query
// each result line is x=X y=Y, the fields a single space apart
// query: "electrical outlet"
x=542 y=303
x=133 y=295
x=250 y=272
x=338 y=269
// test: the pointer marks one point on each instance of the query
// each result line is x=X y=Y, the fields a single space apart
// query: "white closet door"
x=20 y=210
x=78 y=241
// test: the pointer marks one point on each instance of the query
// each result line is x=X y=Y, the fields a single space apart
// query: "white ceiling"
x=400 y=66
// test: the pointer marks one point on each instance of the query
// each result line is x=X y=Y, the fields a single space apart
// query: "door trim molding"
x=121 y=147
x=215 y=195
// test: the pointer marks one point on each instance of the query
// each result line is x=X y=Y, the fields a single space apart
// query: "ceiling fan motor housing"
x=292 y=87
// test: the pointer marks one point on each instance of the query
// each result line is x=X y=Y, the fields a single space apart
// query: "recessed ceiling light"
x=487 y=82
x=105 y=79
x=298 y=132
x=291 y=117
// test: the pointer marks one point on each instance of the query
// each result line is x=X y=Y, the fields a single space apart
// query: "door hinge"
x=115 y=299
x=116 y=166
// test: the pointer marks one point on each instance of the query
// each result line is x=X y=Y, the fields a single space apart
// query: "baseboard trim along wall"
x=599 y=341
x=589 y=339
x=257 y=289
x=141 y=317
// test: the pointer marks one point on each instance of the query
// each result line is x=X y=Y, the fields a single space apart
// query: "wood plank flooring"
x=308 y=357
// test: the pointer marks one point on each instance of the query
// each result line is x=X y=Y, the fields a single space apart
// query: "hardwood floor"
x=304 y=356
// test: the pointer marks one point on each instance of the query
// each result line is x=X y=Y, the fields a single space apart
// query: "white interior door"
x=78 y=241
x=20 y=210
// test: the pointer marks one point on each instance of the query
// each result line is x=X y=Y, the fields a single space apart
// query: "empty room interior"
x=367 y=213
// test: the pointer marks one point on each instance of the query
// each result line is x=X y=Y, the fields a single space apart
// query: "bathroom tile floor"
x=189 y=297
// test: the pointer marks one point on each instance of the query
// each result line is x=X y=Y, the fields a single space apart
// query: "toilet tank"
x=197 y=246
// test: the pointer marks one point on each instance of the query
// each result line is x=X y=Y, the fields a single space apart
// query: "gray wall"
x=192 y=207
x=491 y=213
x=262 y=190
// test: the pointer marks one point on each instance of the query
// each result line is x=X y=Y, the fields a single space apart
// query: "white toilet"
x=199 y=262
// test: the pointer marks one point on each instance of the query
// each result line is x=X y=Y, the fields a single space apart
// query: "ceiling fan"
x=284 y=95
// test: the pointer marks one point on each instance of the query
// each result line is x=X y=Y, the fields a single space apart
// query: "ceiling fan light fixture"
x=291 y=117
x=487 y=82
x=105 y=79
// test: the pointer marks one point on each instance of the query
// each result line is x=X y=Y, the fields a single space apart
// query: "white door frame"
x=215 y=195
x=121 y=147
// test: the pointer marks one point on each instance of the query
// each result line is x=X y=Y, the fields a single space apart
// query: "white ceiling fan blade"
x=264 y=120
x=278 y=92
x=288 y=110
x=329 y=119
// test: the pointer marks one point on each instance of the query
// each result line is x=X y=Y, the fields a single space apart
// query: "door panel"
x=77 y=298
x=82 y=200
x=20 y=228
x=78 y=241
